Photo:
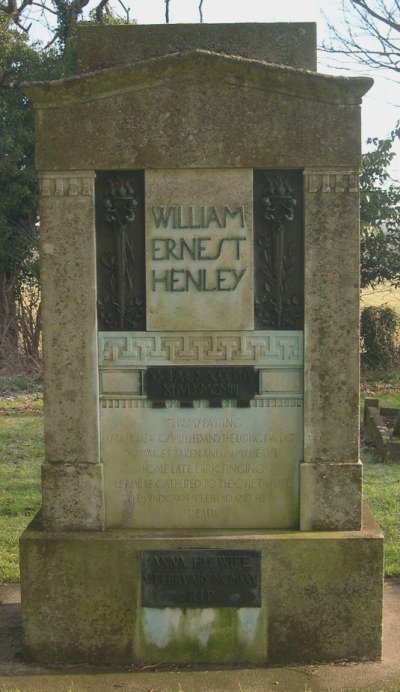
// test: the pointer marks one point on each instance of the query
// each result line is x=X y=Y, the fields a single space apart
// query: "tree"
x=369 y=33
x=380 y=215
x=18 y=200
x=60 y=18
x=19 y=223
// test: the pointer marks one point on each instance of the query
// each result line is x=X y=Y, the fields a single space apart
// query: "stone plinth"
x=321 y=599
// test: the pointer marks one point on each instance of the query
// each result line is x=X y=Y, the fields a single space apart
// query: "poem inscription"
x=231 y=468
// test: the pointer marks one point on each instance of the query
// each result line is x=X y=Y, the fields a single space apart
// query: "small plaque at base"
x=201 y=578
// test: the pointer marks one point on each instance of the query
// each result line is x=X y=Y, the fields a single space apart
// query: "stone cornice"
x=203 y=66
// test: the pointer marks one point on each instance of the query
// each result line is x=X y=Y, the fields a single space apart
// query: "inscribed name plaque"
x=189 y=384
x=201 y=578
x=199 y=249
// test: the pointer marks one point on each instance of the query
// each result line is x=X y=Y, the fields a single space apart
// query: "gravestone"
x=202 y=496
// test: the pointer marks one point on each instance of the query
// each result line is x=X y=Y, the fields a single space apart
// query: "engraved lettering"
x=196 y=217
x=232 y=214
x=201 y=578
x=161 y=216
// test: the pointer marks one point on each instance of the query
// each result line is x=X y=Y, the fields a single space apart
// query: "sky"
x=381 y=105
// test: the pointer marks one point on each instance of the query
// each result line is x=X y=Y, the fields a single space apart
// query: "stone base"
x=321 y=596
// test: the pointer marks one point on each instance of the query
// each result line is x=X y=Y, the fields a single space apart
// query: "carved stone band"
x=330 y=181
x=140 y=349
x=59 y=185
x=259 y=402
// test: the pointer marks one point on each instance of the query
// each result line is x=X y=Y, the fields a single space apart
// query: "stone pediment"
x=201 y=66
x=198 y=109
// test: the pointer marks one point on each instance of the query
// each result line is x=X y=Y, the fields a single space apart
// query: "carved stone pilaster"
x=70 y=374
x=331 y=368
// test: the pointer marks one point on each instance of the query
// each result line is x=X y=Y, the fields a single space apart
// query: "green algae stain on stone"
x=202 y=635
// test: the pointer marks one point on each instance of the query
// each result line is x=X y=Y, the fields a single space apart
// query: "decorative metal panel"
x=278 y=249
x=120 y=242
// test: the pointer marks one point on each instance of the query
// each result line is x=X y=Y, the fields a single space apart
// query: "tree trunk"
x=8 y=320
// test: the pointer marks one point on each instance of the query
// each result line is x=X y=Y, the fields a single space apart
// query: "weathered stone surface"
x=321 y=600
x=199 y=249
x=330 y=497
x=281 y=381
x=143 y=121
x=73 y=497
x=291 y=44
x=330 y=597
x=119 y=382
x=331 y=354
x=376 y=428
x=386 y=437
x=68 y=279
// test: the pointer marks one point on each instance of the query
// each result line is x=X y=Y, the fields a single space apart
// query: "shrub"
x=379 y=338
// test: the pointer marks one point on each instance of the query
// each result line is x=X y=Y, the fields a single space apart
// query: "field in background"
x=382 y=295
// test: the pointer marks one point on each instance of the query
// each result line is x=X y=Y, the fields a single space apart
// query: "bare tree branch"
x=167 y=11
x=201 y=11
x=50 y=43
x=370 y=32
x=44 y=7
x=100 y=9
x=126 y=10
x=381 y=17
x=15 y=12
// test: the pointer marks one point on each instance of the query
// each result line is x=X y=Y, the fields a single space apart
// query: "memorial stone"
x=202 y=496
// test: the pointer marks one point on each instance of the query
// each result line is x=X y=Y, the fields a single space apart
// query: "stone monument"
x=202 y=497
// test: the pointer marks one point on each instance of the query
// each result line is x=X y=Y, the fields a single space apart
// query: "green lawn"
x=21 y=454
x=382 y=492
x=388 y=392
x=382 y=481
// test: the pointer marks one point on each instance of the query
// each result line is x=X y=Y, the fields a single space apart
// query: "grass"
x=382 y=481
x=382 y=492
x=387 y=390
x=21 y=455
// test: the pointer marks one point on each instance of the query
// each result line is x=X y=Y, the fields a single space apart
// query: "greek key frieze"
x=141 y=349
